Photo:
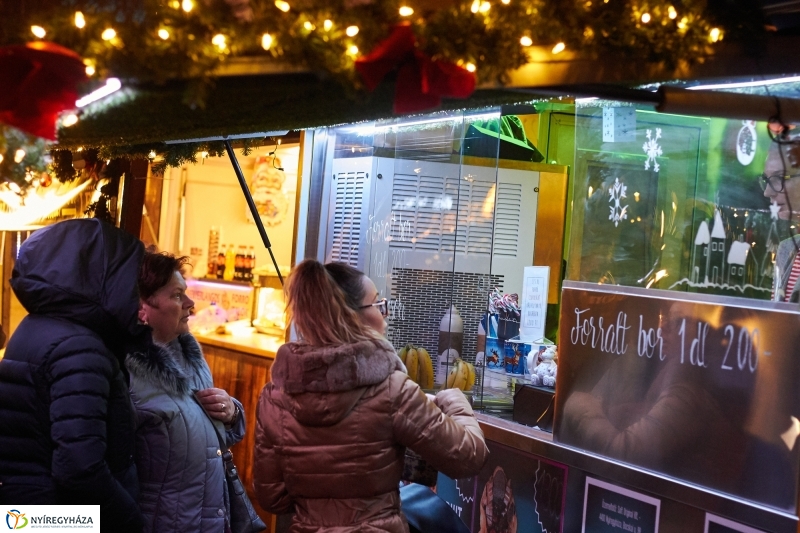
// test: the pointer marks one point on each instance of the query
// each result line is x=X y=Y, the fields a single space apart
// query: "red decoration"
x=38 y=81
x=422 y=82
x=45 y=180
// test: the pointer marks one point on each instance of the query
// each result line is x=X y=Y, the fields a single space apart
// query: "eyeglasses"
x=774 y=181
x=382 y=305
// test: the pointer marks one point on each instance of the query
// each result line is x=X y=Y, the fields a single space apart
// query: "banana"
x=412 y=364
x=451 y=377
x=425 y=369
x=402 y=353
x=470 y=376
x=460 y=381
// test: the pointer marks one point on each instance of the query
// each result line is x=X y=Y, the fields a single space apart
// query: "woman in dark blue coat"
x=66 y=419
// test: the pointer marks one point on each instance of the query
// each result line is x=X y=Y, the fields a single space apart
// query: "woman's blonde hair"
x=322 y=301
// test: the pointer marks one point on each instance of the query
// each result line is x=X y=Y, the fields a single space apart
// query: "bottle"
x=238 y=274
x=220 y=264
x=230 y=263
x=251 y=263
x=213 y=248
x=451 y=341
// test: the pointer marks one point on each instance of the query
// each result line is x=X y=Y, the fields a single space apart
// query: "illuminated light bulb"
x=19 y=155
x=645 y=17
x=308 y=26
x=683 y=23
x=14 y=187
x=70 y=120
x=219 y=41
x=38 y=31
x=470 y=67
x=672 y=13
x=80 y=20
x=526 y=41
x=506 y=2
x=90 y=70
x=282 y=5
x=476 y=5
x=558 y=48
x=351 y=31
x=164 y=34
x=715 y=34
x=175 y=4
x=204 y=154
x=187 y=5
x=406 y=11
x=352 y=49
x=108 y=34
x=327 y=25
x=1 y=158
x=485 y=6
x=152 y=154
x=266 y=41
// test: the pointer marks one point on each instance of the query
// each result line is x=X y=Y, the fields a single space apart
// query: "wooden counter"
x=241 y=365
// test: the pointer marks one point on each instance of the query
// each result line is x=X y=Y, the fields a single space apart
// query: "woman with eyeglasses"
x=781 y=185
x=334 y=423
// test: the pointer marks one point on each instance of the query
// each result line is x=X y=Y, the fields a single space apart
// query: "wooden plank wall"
x=243 y=376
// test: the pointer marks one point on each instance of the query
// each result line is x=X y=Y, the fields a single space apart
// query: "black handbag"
x=243 y=518
x=427 y=512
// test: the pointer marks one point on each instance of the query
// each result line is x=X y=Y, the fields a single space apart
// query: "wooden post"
x=133 y=197
x=7 y=267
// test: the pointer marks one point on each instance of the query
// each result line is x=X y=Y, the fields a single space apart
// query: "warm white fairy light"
x=352 y=50
x=38 y=31
x=70 y=120
x=219 y=41
x=351 y=31
x=672 y=13
x=476 y=5
x=526 y=41
x=187 y=5
x=506 y=2
x=152 y=154
x=715 y=34
x=19 y=155
x=406 y=11
x=327 y=25
x=470 y=67
x=309 y=26
x=485 y=7
x=645 y=17
x=90 y=70
x=558 y=48
x=1 y=158
x=282 y=5
x=266 y=41
x=80 y=20
x=163 y=33
x=108 y=34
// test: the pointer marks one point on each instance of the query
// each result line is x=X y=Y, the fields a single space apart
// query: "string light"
x=506 y=2
x=682 y=24
x=204 y=154
x=19 y=155
x=476 y=5
x=715 y=34
x=558 y=48
x=406 y=11
x=38 y=31
x=470 y=67
x=80 y=20
x=526 y=41
x=1 y=158
x=164 y=34
x=672 y=13
x=90 y=70
x=351 y=31
x=645 y=17
x=187 y=5
x=175 y=4
x=308 y=26
x=219 y=41
x=485 y=6
x=152 y=154
x=266 y=41
x=108 y=34
x=352 y=50
x=327 y=25
x=282 y=5
x=70 y=120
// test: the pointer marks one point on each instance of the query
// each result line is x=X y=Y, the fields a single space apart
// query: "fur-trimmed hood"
x=322 y=385
x=158 y=367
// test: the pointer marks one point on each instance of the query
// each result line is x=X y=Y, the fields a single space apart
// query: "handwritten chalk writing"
x=610 y=339
x=649 y=340
x=392 y=229
x=397 y=309
x=444 y=203
x=697 y=349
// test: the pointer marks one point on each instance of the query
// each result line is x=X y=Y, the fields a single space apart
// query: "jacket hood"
x=322 y=385
x=157 y=366
x=84 y=271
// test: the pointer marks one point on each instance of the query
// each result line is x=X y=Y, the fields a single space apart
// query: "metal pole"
x=252 y=205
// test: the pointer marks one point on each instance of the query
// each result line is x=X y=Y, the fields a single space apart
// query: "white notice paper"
x=533 y=304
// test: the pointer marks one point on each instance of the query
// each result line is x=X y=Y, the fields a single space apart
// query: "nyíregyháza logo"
x=16 y=519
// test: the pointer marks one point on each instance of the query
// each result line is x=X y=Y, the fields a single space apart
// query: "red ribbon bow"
x=38 y=81
x=421 y=81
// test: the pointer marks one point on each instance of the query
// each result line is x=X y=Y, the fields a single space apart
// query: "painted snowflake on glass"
x=617 y=192
x=652 y=149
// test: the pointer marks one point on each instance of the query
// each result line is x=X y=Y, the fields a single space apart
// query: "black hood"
x=84 y=271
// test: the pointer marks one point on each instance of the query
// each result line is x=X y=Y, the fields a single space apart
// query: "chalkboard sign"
x=608 y=508
x=701 y=388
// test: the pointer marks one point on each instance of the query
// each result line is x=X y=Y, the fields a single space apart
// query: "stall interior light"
x=369 y=130
x=112 y=85
x=743 y=84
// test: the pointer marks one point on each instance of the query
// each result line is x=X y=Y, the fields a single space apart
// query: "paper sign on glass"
x=536 y=281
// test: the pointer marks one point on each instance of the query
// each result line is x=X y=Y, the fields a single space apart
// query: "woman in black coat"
x=66 y=419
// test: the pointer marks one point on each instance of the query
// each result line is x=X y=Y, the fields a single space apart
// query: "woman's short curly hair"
x=156 y=270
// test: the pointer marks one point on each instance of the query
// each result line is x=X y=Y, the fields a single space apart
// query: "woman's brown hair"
x=156 y=270
x=322 y=302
